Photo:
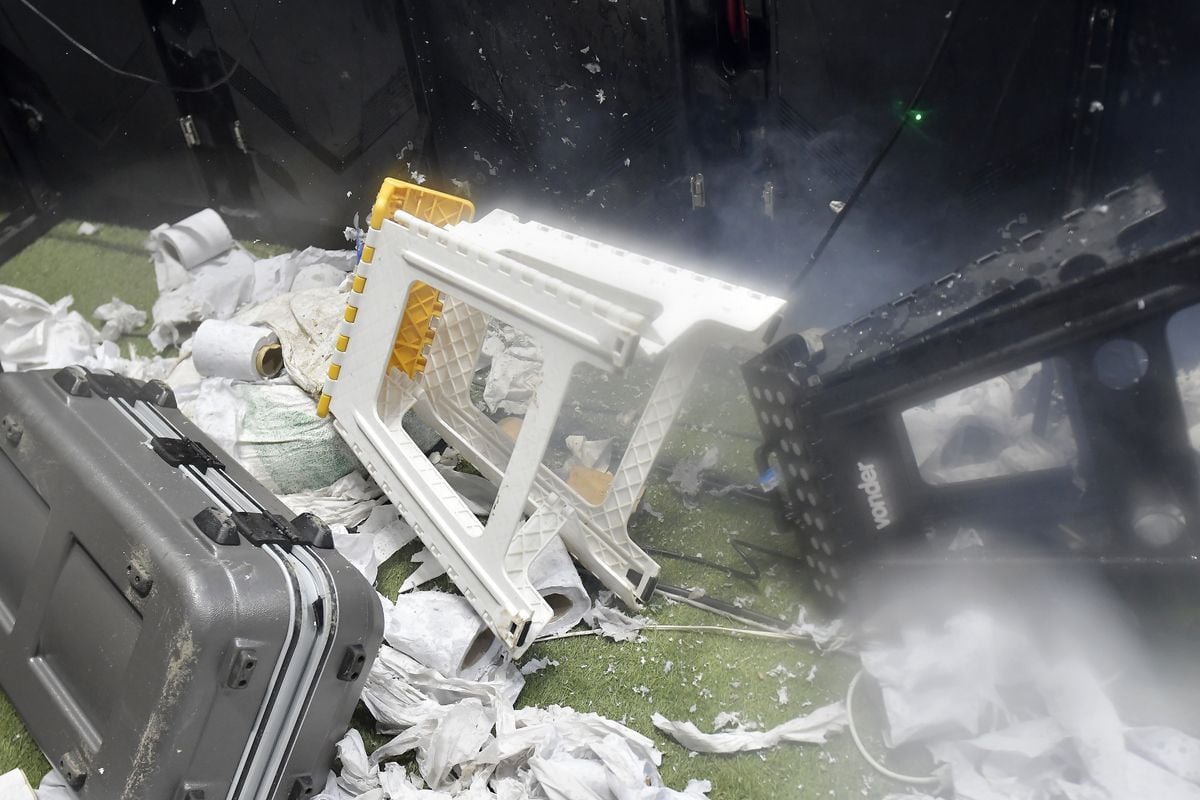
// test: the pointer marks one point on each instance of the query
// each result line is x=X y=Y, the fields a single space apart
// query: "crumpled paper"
x=612 y=622
x=685 y=475
x=14 y=786
x=348 y=501
x=471 y=743
x=442 y=631
x=35 y=334
x=54 y=787
x=119 y=318
x=515 y=372
x=1008 y=720
x=376 y=540
x=813 y=728
x=219 y=287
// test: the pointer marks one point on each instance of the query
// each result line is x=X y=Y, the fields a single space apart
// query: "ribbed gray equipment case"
x=168 y=630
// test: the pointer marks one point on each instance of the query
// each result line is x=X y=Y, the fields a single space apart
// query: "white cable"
x=912 y=780
x=756 y=634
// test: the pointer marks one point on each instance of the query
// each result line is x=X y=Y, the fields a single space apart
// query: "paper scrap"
x=812 y=728
x=613 y=623
x=119 y=318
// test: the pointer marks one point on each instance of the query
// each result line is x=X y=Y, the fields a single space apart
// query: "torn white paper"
x=685 y=476
x=35 y=334
x=119 y=318
x=613 y=623
x=377 y=539
x=515 y=372
x=470 y=742
x=14 y=786
x=347 y=501
x=185 y=245
x=812 y=728
x=442 y=631
x=1007 y=719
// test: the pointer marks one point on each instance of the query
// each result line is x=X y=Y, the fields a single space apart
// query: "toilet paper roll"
x=222 y=349
x=442 y=631
x=194 y=240
x=554 y=575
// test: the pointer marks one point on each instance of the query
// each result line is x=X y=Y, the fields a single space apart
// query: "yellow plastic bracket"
x=424 y=302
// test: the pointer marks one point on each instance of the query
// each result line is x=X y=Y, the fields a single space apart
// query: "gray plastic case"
x=167 y=628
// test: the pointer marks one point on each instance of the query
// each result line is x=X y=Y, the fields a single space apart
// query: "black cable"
x=722 y=606
x=840 y=217
x=741 y=547
x=137 y=75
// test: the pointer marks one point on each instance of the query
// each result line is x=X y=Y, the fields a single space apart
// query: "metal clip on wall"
x=419 y=331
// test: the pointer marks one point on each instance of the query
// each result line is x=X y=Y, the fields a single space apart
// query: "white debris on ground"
x=470 y=742
x=828 y=636
x=468 y=738
x=813 y=728
x=612 y=622
x=685 y=475
x=119 y=318
x=1008 y=720
x=347 y=501
x=376 y=540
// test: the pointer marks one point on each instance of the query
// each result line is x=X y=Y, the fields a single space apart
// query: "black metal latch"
x=260 y=528
x=185 y=452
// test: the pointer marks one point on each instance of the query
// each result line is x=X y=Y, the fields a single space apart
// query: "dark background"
x=1035 y=107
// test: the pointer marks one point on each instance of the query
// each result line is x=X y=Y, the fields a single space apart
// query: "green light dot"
x=917 y=116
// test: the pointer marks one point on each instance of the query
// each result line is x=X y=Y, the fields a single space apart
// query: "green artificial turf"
x=624 y=681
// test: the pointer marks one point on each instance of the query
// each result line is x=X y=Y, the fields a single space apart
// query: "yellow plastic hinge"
x=335 y=371
x=415 y=333
x=360 y=283
x=368 y=253
x=323 y=406
x=351 y=313
x=342 y=343
x=433 y=206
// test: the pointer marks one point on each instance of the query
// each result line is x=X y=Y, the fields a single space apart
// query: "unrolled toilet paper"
x=243 y=352
x=441 y=631
x=554 y=575
x=196 y=239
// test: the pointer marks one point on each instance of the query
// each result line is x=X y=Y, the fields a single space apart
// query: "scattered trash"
x=1004 y=718
x=185 y=245
x=469 y=741
x=685 y=476
x=613 y=623
x=376 y=540
x=15 y=786
x=443 y=631
x=35 y=334
x=119 y=318
x=88 y=229
x=348 y=501
x=515 y=372
x=812 y=728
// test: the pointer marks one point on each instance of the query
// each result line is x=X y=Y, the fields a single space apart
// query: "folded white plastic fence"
x=416 y=320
